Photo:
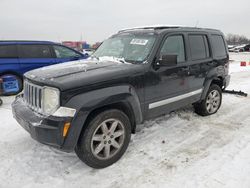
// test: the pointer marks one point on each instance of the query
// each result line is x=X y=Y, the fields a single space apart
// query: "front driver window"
x=174 y=45
x=63 y=52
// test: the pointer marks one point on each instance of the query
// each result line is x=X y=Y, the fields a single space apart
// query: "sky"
x=96 y=20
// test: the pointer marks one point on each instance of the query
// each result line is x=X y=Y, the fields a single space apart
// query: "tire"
x=1 y=102
x=105 y=139
x=212 y=102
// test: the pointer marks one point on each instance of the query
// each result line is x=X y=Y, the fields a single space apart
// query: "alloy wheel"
x=107 y=139
x=213 y=101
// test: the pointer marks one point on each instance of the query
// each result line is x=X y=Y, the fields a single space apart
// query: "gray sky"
x=96 y=20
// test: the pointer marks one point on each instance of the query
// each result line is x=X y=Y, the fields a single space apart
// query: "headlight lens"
x=51 y=100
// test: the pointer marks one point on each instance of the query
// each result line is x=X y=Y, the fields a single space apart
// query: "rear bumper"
x=47 y=130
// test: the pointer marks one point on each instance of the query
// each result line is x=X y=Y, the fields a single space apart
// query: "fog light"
x=66 y=129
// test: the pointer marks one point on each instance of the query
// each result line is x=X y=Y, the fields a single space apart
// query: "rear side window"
x=219 y=48
x=34 y=51
x=63 y=52
x=199 y=47
x=8 y=51
x=174 y=45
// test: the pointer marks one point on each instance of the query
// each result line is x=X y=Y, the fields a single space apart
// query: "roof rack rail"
x=159 y=27
x=156 y=27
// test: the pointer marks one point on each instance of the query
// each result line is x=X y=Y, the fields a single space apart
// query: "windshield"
x=131 y=48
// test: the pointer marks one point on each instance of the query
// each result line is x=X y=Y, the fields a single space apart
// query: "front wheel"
x=212 y=102
x=105 y=139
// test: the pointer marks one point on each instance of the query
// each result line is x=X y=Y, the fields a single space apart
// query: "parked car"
x=247 y=48
x=88 y=52
x=18 y=57
x=94 y=105
x=240 y=48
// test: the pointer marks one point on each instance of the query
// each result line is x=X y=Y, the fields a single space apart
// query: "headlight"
x=51 y=100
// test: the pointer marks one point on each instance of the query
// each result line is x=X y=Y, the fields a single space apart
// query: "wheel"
x=212 y=102
x=105 y=139
x=1 y=102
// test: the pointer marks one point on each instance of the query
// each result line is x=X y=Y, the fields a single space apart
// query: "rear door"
x=199 y=60
x=9 y=59
x=32 y=56
x=64 y=54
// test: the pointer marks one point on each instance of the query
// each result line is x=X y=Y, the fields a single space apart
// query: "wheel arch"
x=123 y=106
x=218 y=80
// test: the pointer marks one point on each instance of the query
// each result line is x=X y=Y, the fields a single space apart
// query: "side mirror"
x=168 y=60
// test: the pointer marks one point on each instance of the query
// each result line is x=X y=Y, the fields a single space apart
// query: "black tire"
x=1 y=102
x=85 y=148
x=201 y=108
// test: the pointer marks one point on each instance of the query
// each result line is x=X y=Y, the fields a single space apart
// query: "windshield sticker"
x=142 y=42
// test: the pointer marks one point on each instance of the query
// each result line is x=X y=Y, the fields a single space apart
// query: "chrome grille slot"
x=33 y=96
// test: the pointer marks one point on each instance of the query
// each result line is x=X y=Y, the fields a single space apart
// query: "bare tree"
x=234 y=39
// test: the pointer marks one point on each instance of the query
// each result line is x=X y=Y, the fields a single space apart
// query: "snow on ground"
x=181 y=149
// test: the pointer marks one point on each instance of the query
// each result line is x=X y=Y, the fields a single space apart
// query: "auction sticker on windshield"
x=142 y=42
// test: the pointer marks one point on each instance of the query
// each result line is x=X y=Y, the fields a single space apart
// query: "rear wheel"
x=212 y=102
x=105 y=139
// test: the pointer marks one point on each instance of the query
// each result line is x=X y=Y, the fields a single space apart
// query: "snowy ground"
x=177 y=150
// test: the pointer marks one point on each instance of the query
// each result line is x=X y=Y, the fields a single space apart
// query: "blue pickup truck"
x=18 y=57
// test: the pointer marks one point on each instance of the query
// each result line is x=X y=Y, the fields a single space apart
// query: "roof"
x=25 y=42
x=161 y=28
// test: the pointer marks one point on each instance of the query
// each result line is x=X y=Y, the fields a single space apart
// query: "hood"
x=79 y=73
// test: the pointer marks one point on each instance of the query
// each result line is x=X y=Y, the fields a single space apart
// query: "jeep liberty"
x=92 y=106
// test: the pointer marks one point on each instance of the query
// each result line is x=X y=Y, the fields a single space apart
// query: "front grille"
x=33 y=96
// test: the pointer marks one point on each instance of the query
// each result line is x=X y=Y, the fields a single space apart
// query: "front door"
x=167 y=86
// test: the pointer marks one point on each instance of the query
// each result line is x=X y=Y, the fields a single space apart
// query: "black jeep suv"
x=92 y=106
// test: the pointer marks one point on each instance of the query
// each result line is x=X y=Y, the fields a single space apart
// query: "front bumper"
x=45 y=129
